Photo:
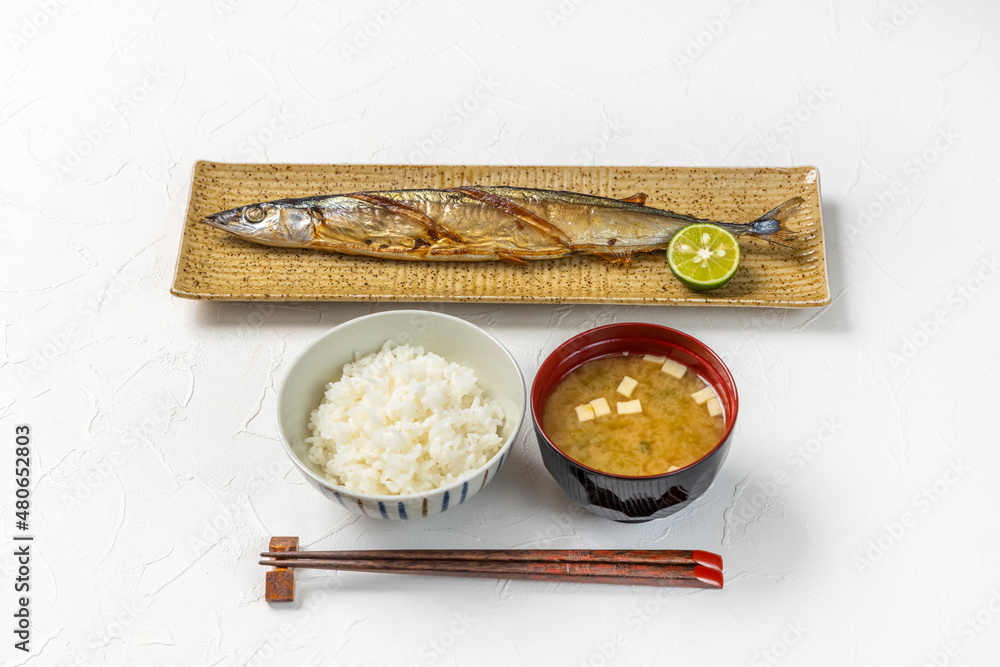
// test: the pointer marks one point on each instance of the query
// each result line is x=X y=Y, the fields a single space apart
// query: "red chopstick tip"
x=708 y=559
x=708 y=576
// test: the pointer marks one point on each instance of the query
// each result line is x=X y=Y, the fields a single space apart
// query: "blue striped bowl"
x=452 y=338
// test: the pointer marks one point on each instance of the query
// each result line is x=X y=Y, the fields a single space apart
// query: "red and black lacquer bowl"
x=617 y=497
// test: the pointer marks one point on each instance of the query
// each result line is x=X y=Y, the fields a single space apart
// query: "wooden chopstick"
x=647 y=556
x=628 y=574
x=693 y=569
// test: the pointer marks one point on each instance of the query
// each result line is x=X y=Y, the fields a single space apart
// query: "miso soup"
x=649 y=421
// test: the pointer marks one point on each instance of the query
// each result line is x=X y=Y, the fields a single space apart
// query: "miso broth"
x=672 y=429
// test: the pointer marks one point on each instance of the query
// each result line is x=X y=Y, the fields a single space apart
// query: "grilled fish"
x=472 y=223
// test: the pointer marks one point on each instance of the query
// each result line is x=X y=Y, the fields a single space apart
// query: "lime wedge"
x=703 y=256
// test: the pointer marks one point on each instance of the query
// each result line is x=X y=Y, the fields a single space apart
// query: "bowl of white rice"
x=401 y=414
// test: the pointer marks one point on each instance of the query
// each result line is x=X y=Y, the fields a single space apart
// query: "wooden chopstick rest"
x=279 y=583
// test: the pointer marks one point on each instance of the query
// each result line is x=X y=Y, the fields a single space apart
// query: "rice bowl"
x=458 y=341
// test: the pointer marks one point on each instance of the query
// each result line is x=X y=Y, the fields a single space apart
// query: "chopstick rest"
x=279 y=583
x=674 y=568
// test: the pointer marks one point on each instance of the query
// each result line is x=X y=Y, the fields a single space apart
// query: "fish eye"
x=253 y=214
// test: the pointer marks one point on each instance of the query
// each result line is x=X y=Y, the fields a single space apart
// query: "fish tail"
x=771 y=225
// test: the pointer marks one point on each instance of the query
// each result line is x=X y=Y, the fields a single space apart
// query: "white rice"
x=403 y=421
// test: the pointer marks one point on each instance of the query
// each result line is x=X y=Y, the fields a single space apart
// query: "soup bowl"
x=618 y=497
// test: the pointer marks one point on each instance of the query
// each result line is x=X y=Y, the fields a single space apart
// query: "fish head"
x=270 y=223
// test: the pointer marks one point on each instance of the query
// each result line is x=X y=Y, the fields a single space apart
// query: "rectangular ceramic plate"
x=216 y=265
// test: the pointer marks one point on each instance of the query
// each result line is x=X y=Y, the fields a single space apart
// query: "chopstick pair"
x=689 y=569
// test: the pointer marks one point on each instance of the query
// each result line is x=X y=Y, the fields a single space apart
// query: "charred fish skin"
x=475 y=223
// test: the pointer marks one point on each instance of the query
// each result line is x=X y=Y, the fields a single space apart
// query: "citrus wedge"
x=703 y=256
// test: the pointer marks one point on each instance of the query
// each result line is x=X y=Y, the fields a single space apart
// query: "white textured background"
x=857 y=513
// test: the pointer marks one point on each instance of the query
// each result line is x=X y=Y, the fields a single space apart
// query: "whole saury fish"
x=476 y=222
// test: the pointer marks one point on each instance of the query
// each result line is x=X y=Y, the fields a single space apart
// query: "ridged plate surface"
x=215 y=265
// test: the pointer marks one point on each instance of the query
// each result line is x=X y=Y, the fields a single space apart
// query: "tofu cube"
x=627 y=386
x=714 y=407
x=629 y=407
x=655 y=359
x=601 y=407
x=703 y=395
x=671 y=367
x=585 y=412
x=673 y=468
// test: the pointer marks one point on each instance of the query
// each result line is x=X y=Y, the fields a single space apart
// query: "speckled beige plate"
x=215 y=265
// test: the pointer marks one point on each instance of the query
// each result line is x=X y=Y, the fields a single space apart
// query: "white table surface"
x=857 y=512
